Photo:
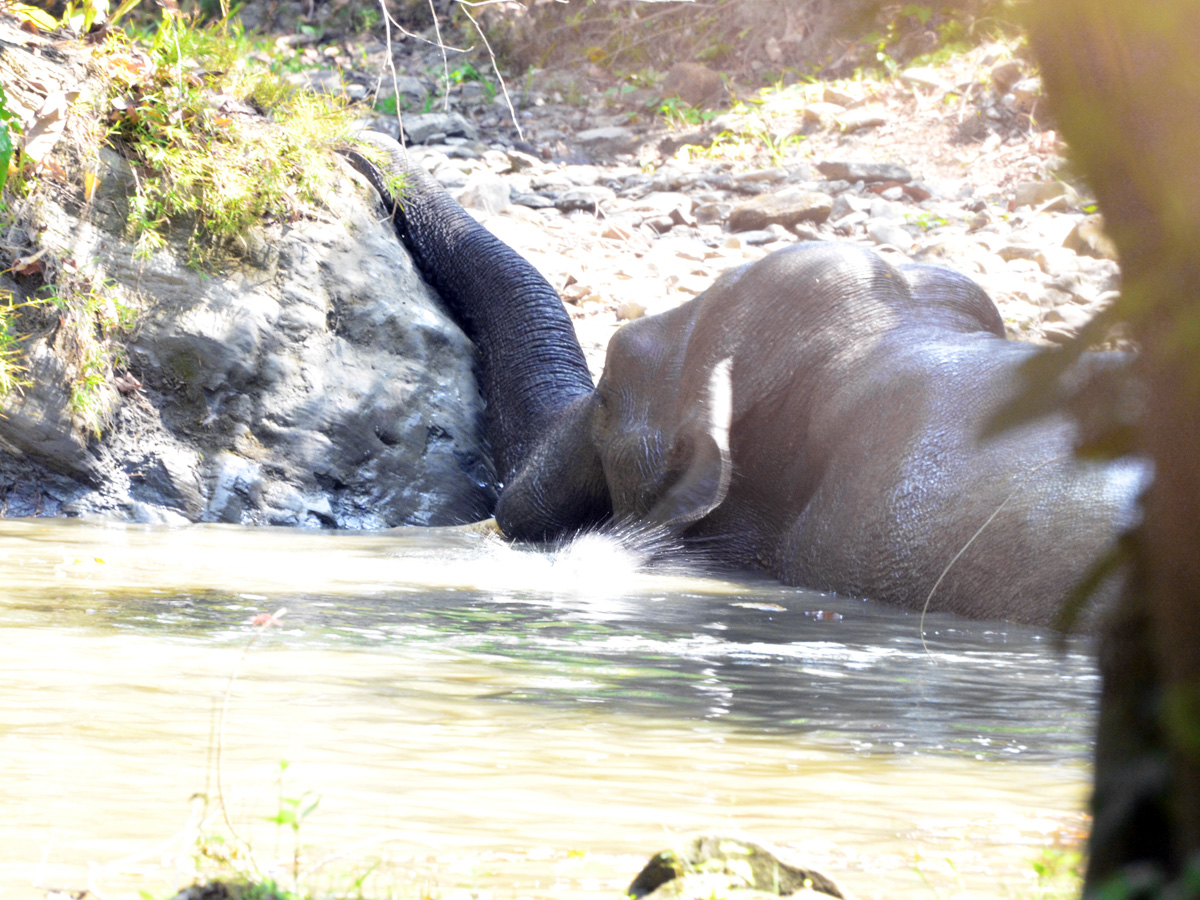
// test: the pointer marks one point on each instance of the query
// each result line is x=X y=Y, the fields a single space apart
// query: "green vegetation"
x=680 y=113
x=88 y=318
x=11 y=370
x=218 y=144
x=1059 y=871
x=9 y=124
x=215 y=169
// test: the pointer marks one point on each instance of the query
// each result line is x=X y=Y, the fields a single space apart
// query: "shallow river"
x=476 y=719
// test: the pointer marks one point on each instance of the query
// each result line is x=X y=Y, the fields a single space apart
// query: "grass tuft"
x=222 y=144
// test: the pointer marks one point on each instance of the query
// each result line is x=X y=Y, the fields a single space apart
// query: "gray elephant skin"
x=816 y=415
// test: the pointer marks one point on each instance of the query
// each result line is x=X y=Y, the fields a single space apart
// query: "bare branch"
x=495 y=68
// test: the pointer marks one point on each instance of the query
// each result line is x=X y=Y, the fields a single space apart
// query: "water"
x=470 y=716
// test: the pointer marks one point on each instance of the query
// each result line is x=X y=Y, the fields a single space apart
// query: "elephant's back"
x=913 y=497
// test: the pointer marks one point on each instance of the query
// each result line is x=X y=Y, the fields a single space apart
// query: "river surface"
x=473 y=719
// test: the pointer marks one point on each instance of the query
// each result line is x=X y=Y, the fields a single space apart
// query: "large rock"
x=316 y=381
x=787 y=207
x=694 y=83
x=868 y=172
x=608 y=140
x=422 y=128
x=719 y=866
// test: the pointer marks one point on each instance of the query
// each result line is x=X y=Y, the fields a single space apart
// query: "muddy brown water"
x=474 y=719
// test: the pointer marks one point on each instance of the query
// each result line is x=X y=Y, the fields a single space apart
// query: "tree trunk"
x=1124 y=82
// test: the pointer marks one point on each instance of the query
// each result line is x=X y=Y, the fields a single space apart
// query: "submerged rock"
x=717 y=866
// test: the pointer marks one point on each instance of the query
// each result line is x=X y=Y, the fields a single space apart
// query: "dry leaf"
x=47 y=126
x=52 y=169
x=126 y=65
x=29 y=265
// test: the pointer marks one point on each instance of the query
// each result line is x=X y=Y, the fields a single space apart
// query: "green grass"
x=214 y=172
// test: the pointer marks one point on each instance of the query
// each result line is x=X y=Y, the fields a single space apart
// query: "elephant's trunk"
x=533 y=366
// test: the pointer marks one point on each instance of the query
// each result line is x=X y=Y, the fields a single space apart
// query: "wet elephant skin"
x=816 y=414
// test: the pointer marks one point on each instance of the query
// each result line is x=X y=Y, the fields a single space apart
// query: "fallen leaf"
x=126 y=383
x=48 y=124
x=126 y=65
x=90 y=182
x=36 y=19
x=29 y=265
x=823 y=615
x=54 y=170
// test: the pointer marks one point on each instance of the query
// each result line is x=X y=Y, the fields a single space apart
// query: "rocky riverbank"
x=316 y=381
x=628 y=214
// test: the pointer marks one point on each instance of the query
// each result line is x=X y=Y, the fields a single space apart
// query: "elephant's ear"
x=699 y=465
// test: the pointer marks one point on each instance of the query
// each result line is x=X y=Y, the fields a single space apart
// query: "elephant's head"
x=818 y=413
x=569 y=455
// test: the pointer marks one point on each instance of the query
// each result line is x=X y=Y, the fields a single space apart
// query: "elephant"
x=818 y=414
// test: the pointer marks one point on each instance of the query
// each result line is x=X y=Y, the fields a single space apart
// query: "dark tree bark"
x=1124 y=81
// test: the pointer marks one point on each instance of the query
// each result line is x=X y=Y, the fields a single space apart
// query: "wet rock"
x=713 y=865
x=1087 y=238
x=37 y=422
x=169 y=474
x=694 y=83
x=867 y=172
x=316 y=382
x=786 y=207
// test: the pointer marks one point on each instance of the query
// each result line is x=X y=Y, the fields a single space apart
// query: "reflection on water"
x=476 y=715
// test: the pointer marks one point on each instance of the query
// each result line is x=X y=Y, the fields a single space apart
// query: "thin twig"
x=978 y=532
x=391 y=62
x=437 y=30
x=221 y=738
x=495 y=68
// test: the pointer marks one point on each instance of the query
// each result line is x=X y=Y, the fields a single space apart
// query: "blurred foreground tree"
x=1124 y=81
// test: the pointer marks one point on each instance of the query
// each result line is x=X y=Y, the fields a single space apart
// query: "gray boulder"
x=315 y=381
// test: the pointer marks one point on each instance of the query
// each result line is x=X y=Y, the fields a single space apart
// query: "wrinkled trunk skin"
x=532 y=364
x=1122 y=78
